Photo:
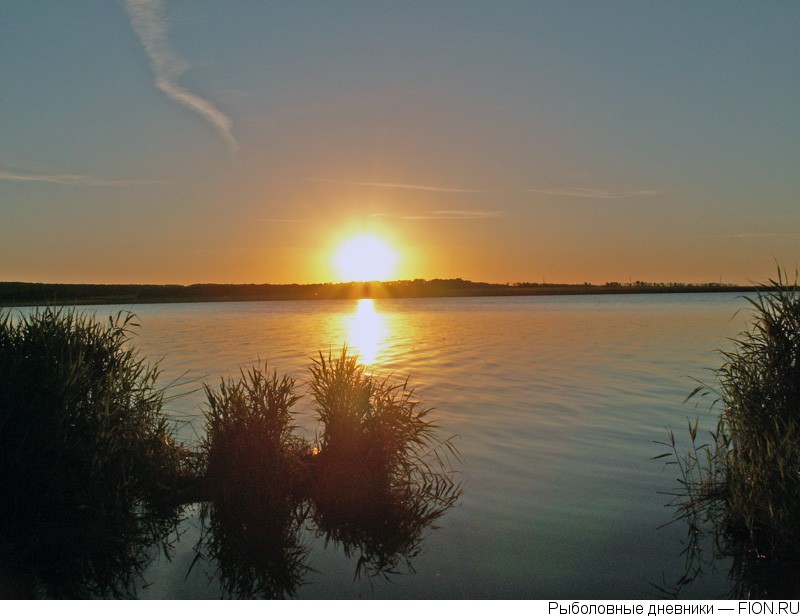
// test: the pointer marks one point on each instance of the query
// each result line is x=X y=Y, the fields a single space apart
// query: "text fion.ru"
x=678 y=608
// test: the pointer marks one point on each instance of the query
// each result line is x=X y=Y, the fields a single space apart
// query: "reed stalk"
x=85 y=451
x=745 y=481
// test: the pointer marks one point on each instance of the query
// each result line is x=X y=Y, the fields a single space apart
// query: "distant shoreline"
x=41 y=294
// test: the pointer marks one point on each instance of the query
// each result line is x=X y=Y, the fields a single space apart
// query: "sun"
x=364 y=258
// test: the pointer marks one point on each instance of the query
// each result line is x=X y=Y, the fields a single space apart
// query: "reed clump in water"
x=746 y=481
x=250 y=446
x=374 y=482
x=93 y=479
x=255 y=466
x=85 y=446
x=382 y=476
x=376 y=436
x=376 y=479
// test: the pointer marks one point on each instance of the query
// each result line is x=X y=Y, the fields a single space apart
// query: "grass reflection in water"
x=740 y=492
x=95 y=483
x=378 y=479
x=87 y=458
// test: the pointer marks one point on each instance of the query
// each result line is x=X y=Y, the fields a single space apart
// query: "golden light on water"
x=366 y=331
x=364 y=258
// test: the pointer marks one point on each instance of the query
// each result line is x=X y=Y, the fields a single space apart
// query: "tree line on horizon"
x=26 y=293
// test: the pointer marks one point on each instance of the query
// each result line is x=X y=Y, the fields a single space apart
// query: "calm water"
x=556 y=402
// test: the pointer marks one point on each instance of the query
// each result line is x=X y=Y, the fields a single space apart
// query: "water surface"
x=556 y=402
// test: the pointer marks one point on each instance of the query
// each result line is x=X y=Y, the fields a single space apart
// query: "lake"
x=556 y=404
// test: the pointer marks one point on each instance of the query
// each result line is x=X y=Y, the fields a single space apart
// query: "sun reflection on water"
x=366 y=331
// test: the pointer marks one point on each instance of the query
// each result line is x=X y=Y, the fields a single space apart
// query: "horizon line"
x=608 y=283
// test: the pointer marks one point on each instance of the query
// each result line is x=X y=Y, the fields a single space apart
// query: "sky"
x=176 y=141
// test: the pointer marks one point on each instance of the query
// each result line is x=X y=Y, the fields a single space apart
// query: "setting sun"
x=365 y=257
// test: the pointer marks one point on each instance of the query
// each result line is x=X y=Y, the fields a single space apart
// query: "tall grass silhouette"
x=376 y=480
x=86 y=451
x=745 y=482
x=382 y=476
x=254 y=474
x=94 y=482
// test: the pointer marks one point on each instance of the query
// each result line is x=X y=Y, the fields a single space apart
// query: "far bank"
x=37 y=294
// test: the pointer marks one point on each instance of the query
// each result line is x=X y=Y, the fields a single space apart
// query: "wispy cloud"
x=393 y=185
x=593 y=193
x=455 y=215
x=765 y=235
x=68 y=179
x=281 y=220
x=570 y=191
x=148 y=23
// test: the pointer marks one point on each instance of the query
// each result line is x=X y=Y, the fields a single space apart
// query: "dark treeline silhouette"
x=30 y=293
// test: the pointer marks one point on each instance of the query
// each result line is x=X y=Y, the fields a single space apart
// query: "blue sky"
x=180 y=142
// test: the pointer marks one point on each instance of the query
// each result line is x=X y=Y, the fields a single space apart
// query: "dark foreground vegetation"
x=94 y=483
x=740 y=494
x=32 y=294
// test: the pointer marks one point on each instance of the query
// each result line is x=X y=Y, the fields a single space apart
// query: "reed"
x=84 y=448
x=382 y=475
x=758 y=437
x=255 y=467
x=93 y=480
x=77 y=401
x=376 y=436
x=251 y=444
x=374 y=482
x=745 y=481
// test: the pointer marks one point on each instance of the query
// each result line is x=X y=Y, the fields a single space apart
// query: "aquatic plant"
x=255 y=467
x=94 y=482
x=250 y=443
x=374 y=482
x=85 y=448
x=375 y=434
x=745 y=482
x=382 y=476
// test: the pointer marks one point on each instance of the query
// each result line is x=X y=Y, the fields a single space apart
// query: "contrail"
x=150 y=27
